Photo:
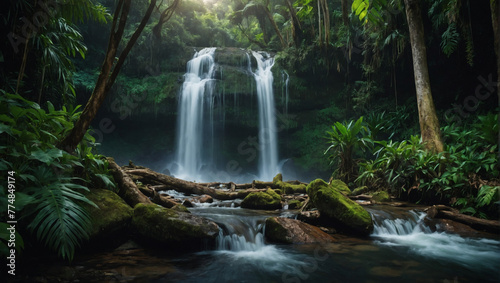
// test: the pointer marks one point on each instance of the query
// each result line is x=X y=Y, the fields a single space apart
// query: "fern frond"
x=60 y=222
x=487 y=195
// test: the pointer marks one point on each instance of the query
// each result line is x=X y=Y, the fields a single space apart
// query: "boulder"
x=333 y=204
x=381 y=196
x=295 y=204
x=359 y=191
x=340 y=186
x=288 y=188
x=111 y=218
x=158 y=225
x=291 y=231
x=262 y=200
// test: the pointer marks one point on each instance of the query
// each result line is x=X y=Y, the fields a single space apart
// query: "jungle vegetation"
x=389 y=94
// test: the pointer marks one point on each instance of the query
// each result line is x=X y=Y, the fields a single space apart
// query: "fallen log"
x=442 y=211
x=127 y=189
x=165 y=182
x=157 y=198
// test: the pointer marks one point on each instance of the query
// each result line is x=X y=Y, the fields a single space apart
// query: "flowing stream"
x=401 y=248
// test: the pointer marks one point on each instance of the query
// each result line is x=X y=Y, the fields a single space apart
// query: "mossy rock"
x=333 y=204
x=288 y=188
x=159 y=225
x=262 y=200
x=359 y=191
x=295 y=204
x=291 y=231
x=112 y=217
x=381 y=196
x=340 y=186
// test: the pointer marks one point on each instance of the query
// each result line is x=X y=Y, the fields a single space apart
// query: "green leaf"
x=46 y=156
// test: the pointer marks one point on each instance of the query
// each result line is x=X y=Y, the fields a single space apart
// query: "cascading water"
x=197 y=134
x=413 y=233
x=268 y=141
x=195 y=98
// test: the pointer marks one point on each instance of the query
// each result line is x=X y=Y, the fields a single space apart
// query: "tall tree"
x=109 y=70
x=429 y=123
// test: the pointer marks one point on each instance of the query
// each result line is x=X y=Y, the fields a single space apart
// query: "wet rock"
x=187 y=203
x=333 y=204
x=291 y=231
x=311 y=217
x=111 y=218
x=294 y=204
x=158 y=225
x=262 y=200
x=359 y=191
x=205 y=199
x=381 y=196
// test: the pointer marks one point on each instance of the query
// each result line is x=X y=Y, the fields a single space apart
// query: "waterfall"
x=268 y=141
x=196 y=95
x=201 y=116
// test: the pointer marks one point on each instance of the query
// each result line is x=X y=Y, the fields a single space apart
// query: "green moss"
x=381 y=196
x=340 y=186
x=286 y=187
x=112 y=215
x=332 y=203
x=294 y=204
x=359 y=191
x=262 y=200
x=167 y=226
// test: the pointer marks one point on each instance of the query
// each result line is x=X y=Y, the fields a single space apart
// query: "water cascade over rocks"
x=412 y=232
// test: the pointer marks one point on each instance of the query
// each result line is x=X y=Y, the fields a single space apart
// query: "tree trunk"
x=442 y=211
x=297 y=32
x=429 y=124
x=345 y=12
x=275 y=26
x=108 y=73
x=495 y=20
x=128 y=190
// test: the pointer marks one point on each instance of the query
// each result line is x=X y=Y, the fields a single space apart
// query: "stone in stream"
x=111 y=218
x=158 y=225
x=291 y=231
x=262 y=200
x=381 y=196
x=336 y=206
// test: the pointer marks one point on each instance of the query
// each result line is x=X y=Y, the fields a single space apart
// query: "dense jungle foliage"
x=352 y=111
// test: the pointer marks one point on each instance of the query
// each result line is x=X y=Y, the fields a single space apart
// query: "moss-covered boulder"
x=288 y=188
x=268 y=199
x=381 y=196
x=291 y=231
x=111 y=218
x=295 y=204
x=158 y=225
x=333 y=204
x=340 y=186
x=359 y=191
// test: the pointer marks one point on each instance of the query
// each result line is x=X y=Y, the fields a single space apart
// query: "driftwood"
x=164 y=182
x=128 y=190
x=442 y=211
x=361 y=197
x=157 y=198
